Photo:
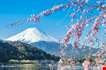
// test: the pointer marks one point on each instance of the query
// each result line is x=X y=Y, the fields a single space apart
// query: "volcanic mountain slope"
x=31 y=35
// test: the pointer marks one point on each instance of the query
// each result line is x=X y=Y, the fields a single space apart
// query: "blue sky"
x=13 y=10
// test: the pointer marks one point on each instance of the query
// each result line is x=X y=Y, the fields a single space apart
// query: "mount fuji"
x=38 y=39
x=32 y=35
x=47 y=43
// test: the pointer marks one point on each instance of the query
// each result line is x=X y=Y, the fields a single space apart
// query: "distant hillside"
x=69 y=52
x=18 y=51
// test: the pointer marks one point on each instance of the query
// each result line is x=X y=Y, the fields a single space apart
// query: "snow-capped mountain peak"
x=31 y=35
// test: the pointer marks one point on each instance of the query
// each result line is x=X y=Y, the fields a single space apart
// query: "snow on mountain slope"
x=31 y=35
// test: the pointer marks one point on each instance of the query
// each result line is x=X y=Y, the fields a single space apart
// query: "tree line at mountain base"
x=22 y=51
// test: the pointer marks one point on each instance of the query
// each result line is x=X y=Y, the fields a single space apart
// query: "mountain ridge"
x=21 y=51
